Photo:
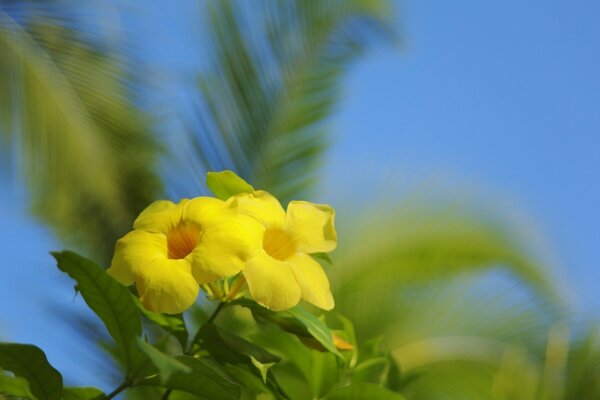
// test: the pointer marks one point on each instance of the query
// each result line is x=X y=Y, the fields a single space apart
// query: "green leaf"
x=204 y=380
x=310 y=329
x=82 y=393
x=110 y=300
x=363 y=391
x=317 y=328
x=230 y=348
x=225 y=184
x=14 y=386
x=29 y=362
x=174 y=324
x=166 y=365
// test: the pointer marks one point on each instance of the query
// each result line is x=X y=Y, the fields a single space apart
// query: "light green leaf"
x=166 y=365
x=363 y=391
x=82 y=393
x=316 y=328
x=174 y=324
x=204 y=380
x=110 y=300
x=14 y=386
x=225 y=184
x=30 y=363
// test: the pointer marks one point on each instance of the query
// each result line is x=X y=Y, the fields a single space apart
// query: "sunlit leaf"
x=14 y=386
x=30 y=363
x=225 y=184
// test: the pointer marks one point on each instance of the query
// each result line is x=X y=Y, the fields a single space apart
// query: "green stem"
x=167 y=394
x=118 y=390
x=215 y=313
x=210 y=320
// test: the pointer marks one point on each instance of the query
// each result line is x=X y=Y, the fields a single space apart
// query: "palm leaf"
x=272 y=80
x=71 y=130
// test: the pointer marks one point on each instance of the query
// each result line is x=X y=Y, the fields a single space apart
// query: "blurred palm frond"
x=273 y=79
x=71 y=130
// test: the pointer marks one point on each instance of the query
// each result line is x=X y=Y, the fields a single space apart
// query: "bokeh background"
x=457 y=140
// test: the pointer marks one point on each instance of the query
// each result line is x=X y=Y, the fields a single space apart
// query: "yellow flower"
x=282 y=271
x=174 y=248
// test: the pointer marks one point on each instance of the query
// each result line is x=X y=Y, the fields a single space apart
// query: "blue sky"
x=503 y=97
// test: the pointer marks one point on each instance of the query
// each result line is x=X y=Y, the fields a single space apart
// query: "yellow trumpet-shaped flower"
x=282 y=271
x=174 y=248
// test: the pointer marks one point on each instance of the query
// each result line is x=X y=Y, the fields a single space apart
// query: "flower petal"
x=311 y=226
x=312 y=280
x=135 y=251
x=272 y=282
x=167 y=286
x=160 y=216
x=204 y=211
x=225 y=247
x=260 y=205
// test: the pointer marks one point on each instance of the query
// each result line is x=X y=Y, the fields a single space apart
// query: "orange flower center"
x=278 y=244
x=182 y=240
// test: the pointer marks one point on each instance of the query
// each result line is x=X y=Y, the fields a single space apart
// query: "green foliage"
x=14 y=386
x=296 y=320
x=229 y=348
x=203 y=379
x=363 y=391
x=30 y=363
x=77 y=138
x=111 y=302
x=273 y=81
x=165 y=365
x=82 y=393
x=226 y=183
x=173 y=324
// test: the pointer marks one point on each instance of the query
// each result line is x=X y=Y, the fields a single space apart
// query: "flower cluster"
x=174 y=249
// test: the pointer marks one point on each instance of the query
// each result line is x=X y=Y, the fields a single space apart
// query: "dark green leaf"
x=29 y=362
x=166 y=365
x=82 y=393
x=204 y=380
x=14 y=386
x=230 y=348
x=225 y=184
x=363 y=391
x=110 y=300
x=174 y=324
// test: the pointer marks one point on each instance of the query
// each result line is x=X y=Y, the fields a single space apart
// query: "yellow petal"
x=311 y=226
x=167 y=286
x=204 y=211
x=260 y=205
x=160 y=216
x=134 y=251
x=225 y=247
x=272 y=282
x=312 y=280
